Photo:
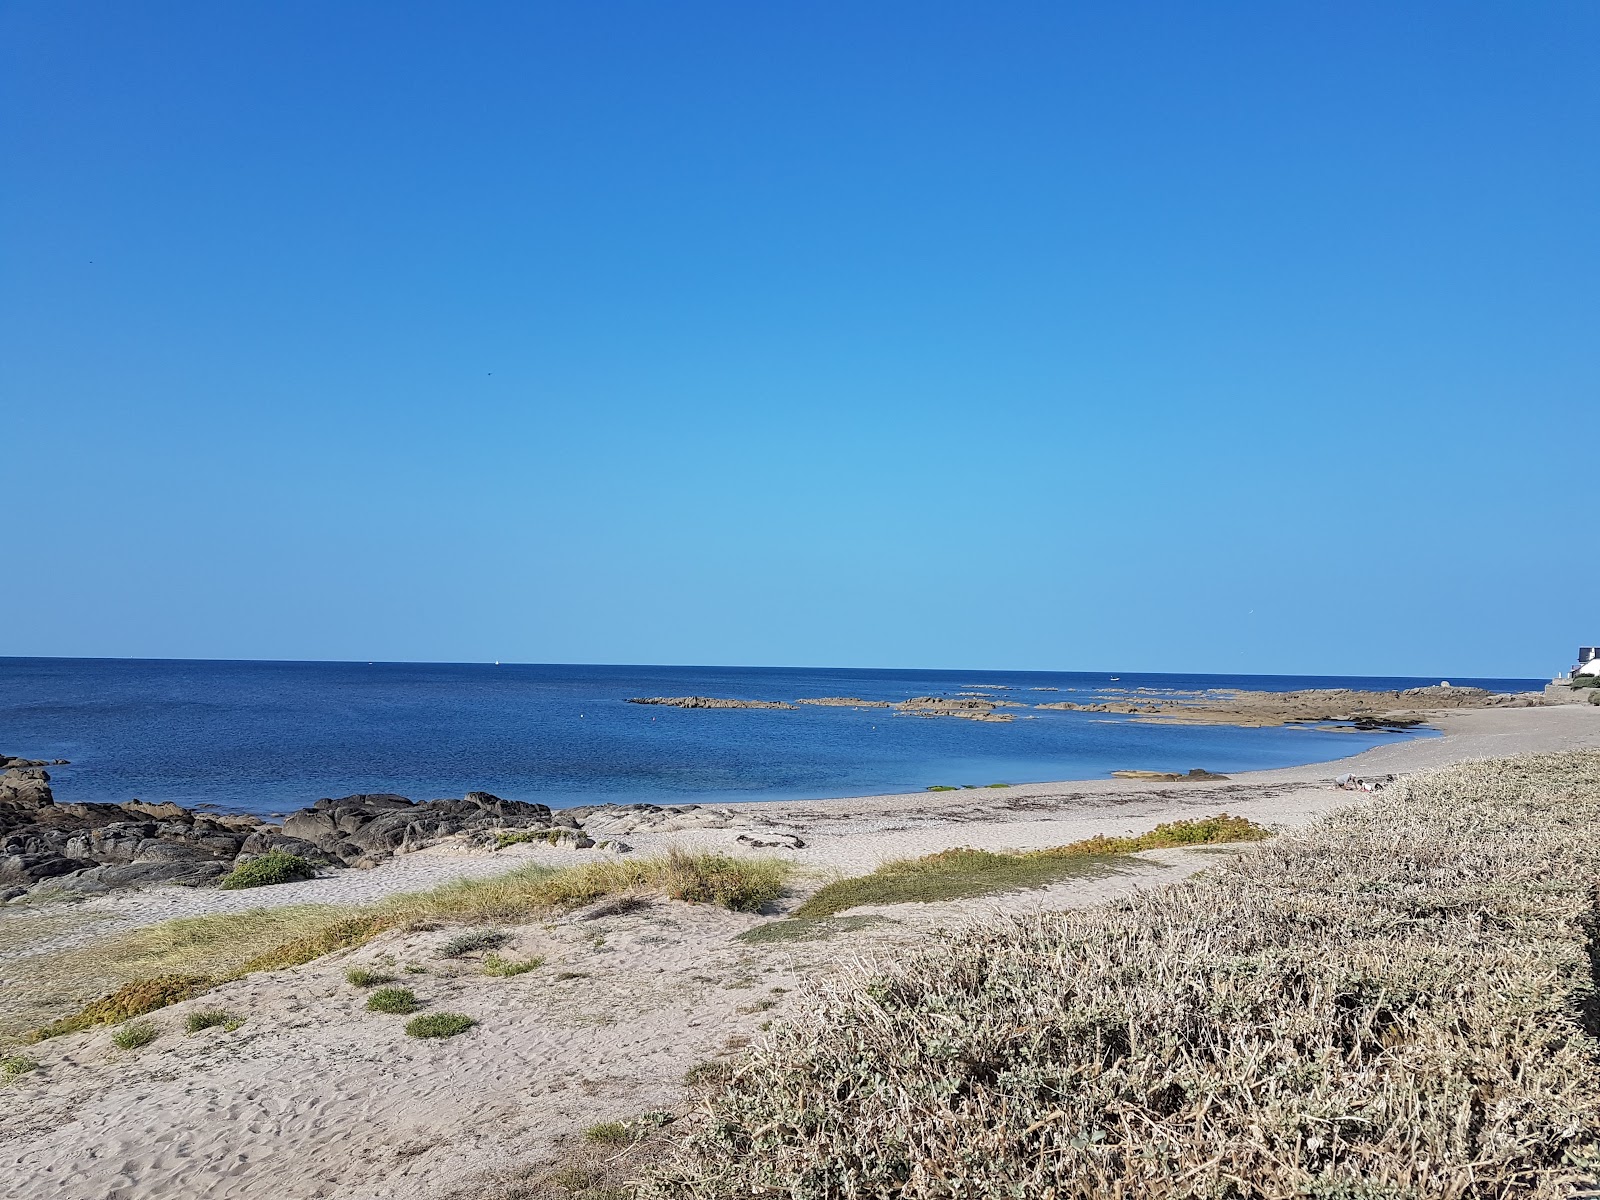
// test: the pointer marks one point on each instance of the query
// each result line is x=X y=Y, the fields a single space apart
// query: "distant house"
x=1588 y=661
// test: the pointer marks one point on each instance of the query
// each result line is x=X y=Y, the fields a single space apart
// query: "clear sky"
x=1228 y=337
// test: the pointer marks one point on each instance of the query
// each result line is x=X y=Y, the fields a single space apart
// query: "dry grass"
x=209 y=950
x=605 y=1163
x=963 y=873
x=1398 y=1003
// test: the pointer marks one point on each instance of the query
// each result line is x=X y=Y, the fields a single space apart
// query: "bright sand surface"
x=313 y=1096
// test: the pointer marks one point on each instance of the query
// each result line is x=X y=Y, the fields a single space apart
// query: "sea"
x=270 y=737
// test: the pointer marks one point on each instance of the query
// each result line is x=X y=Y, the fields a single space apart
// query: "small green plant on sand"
x=608 y=1133
x=472 y=941
x=438 y=1025
x=493 y=964
x=135 y=1034
x=362 y=977
x=392 y=1000
x=943 y=787
x=275 y=866
x=17 y=1064
x=211 y=1018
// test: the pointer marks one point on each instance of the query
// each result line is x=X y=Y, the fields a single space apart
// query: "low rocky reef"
x=1344 y=706
x=706 y=702
x=969 y=707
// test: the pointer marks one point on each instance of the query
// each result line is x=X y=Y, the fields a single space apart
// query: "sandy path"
x=315 y=1097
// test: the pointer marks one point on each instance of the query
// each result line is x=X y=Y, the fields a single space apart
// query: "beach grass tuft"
x=273 y=867
x=365 y=977
x=472 y=941
x=134 y=1034
x=505 y=968
x=1397 y=1002
x=13 y=1065
x=438 y=1025
x=211 y=1018
x=392 y=1000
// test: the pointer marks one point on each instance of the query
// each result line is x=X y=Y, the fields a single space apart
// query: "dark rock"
x=112 y=875
x=270 y=837
x=24 y=869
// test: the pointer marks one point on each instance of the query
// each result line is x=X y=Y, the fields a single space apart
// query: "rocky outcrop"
x=706 y=702
x=363 y=830
x=97 y=847
x=968 y=708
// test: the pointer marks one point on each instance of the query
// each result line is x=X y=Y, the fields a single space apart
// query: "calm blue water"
x=270 y=736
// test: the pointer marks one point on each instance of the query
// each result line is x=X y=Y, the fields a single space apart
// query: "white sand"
x=316 y=1097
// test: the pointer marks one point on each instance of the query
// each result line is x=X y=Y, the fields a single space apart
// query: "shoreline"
x=313 y=1095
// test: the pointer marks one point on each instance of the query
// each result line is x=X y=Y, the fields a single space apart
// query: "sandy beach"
x=313 y=1096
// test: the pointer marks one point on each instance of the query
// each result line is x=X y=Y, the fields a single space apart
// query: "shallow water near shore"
x=267 y=737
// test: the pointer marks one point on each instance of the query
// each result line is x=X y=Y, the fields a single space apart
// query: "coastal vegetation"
x=273 y=867
x=392 y=1000
x=504 y=968
x=17 y=1064
x=553 y=836
x=438 y=1025
x=211 y=1018
x=134 y=1034
x=962 y=873
x=364 y=977
x=473 y=941
x=172 y=961
x=1398 y=1002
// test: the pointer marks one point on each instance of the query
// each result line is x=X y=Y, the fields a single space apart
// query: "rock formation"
x=97 y=847
x=706 y=702
x=1362 y=710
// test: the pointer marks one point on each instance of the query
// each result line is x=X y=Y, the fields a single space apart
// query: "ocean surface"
x=268 y=737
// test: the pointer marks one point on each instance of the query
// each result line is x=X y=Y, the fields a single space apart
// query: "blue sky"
x=1242 y=337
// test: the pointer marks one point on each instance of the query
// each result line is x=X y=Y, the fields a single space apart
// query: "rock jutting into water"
x=940 y=706
x=1361 y=710
x=706 y=702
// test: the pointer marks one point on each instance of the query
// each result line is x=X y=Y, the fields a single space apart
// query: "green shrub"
x=275 y=866
x=472 y=941
x=135 y=1034
x=363 y=977
x=17 y=1064
x=438 y=1025
x=608 y=1133
x=392 y=1000
x=210 y=1018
